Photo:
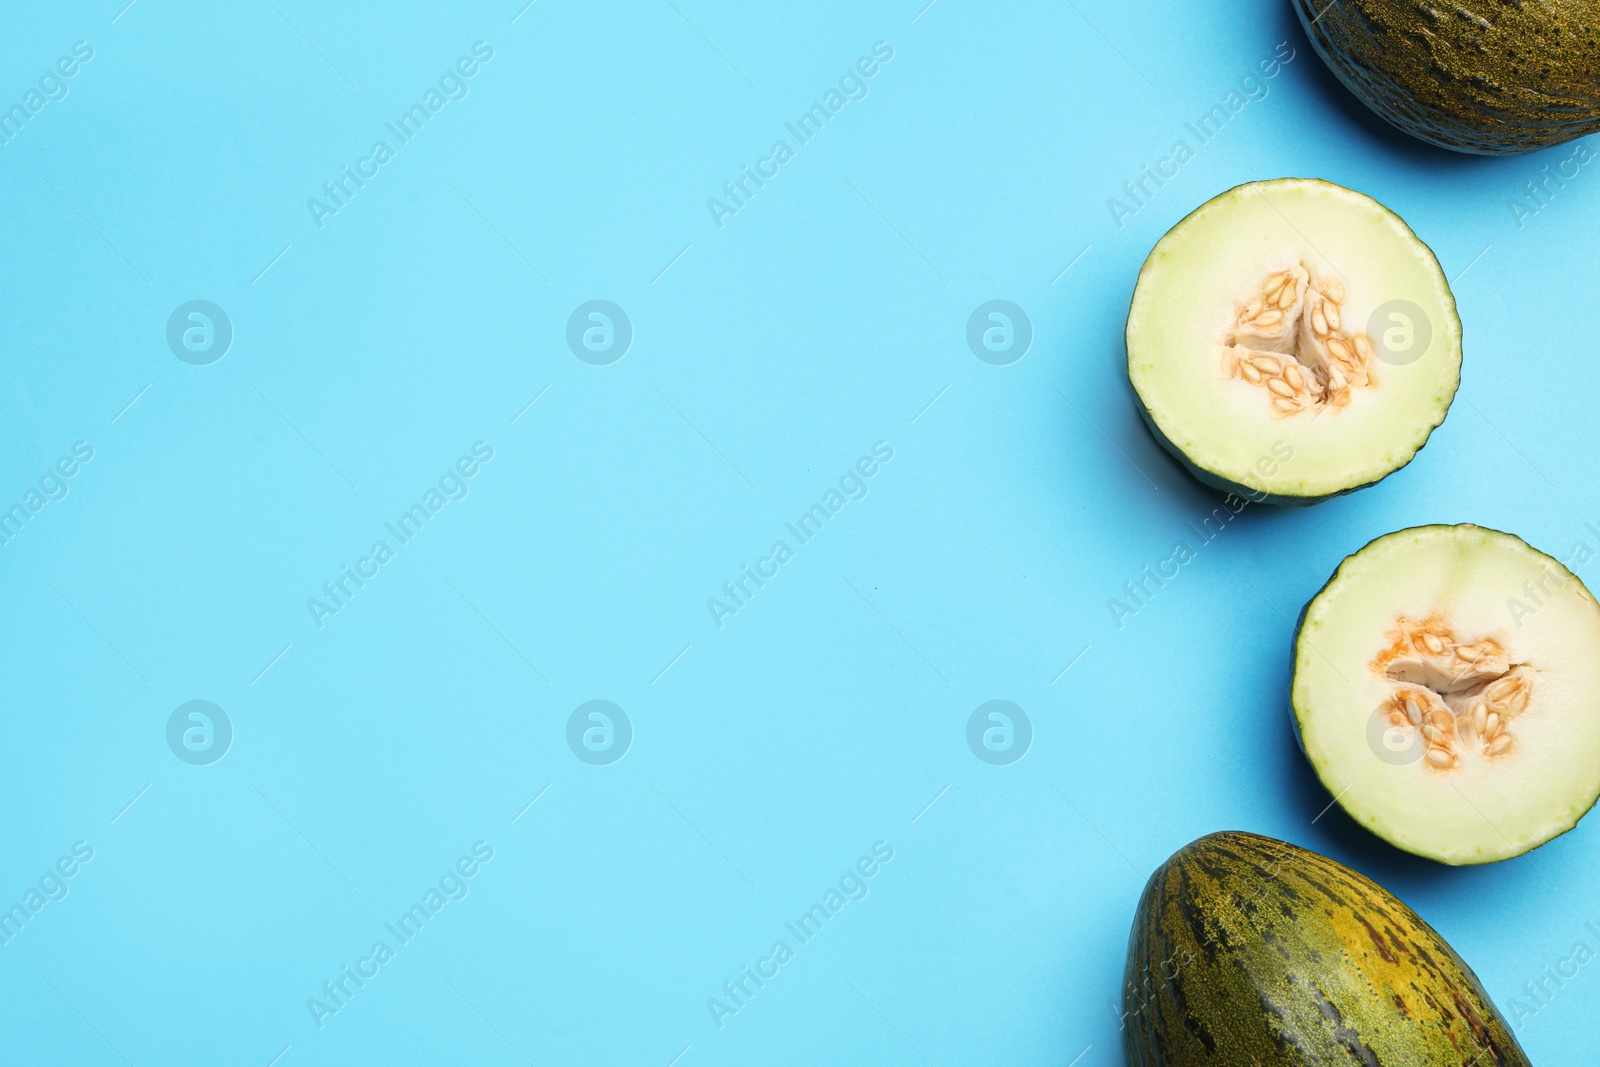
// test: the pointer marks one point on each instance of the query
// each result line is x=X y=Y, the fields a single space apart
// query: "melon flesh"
x=1447 y=691
x=1293 y=318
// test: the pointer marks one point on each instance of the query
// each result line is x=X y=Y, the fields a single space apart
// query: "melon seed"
x=1500 y=690
x=1470 y=688
x=1297 y=317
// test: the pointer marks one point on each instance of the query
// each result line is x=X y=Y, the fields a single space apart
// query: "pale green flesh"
x=1485 y=809
x=1209 y=264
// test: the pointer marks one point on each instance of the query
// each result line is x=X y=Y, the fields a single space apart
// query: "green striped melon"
x=1251 y=952
x=1491 y=77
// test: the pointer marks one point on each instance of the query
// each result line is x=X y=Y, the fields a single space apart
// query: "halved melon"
x=1291 y=340
x=1447 y=692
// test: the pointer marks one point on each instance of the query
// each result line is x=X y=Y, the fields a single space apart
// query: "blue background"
x=829 y=713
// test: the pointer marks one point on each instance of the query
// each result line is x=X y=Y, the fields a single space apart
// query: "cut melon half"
x=1447 y=692
x=1291 y=340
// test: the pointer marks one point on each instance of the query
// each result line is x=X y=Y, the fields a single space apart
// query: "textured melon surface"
x=1386 y=629
x=1333 y=415
x=1491 y=77
x=1246 y=950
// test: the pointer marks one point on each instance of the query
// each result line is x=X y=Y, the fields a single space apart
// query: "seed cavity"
x=1289 y=340
x=1458 y=696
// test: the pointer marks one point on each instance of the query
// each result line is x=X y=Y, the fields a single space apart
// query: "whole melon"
x=1250 y=951
x=1492 y=77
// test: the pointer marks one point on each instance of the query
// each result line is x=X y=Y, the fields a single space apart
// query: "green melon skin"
x=1252 y=952
x=1489 y=77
